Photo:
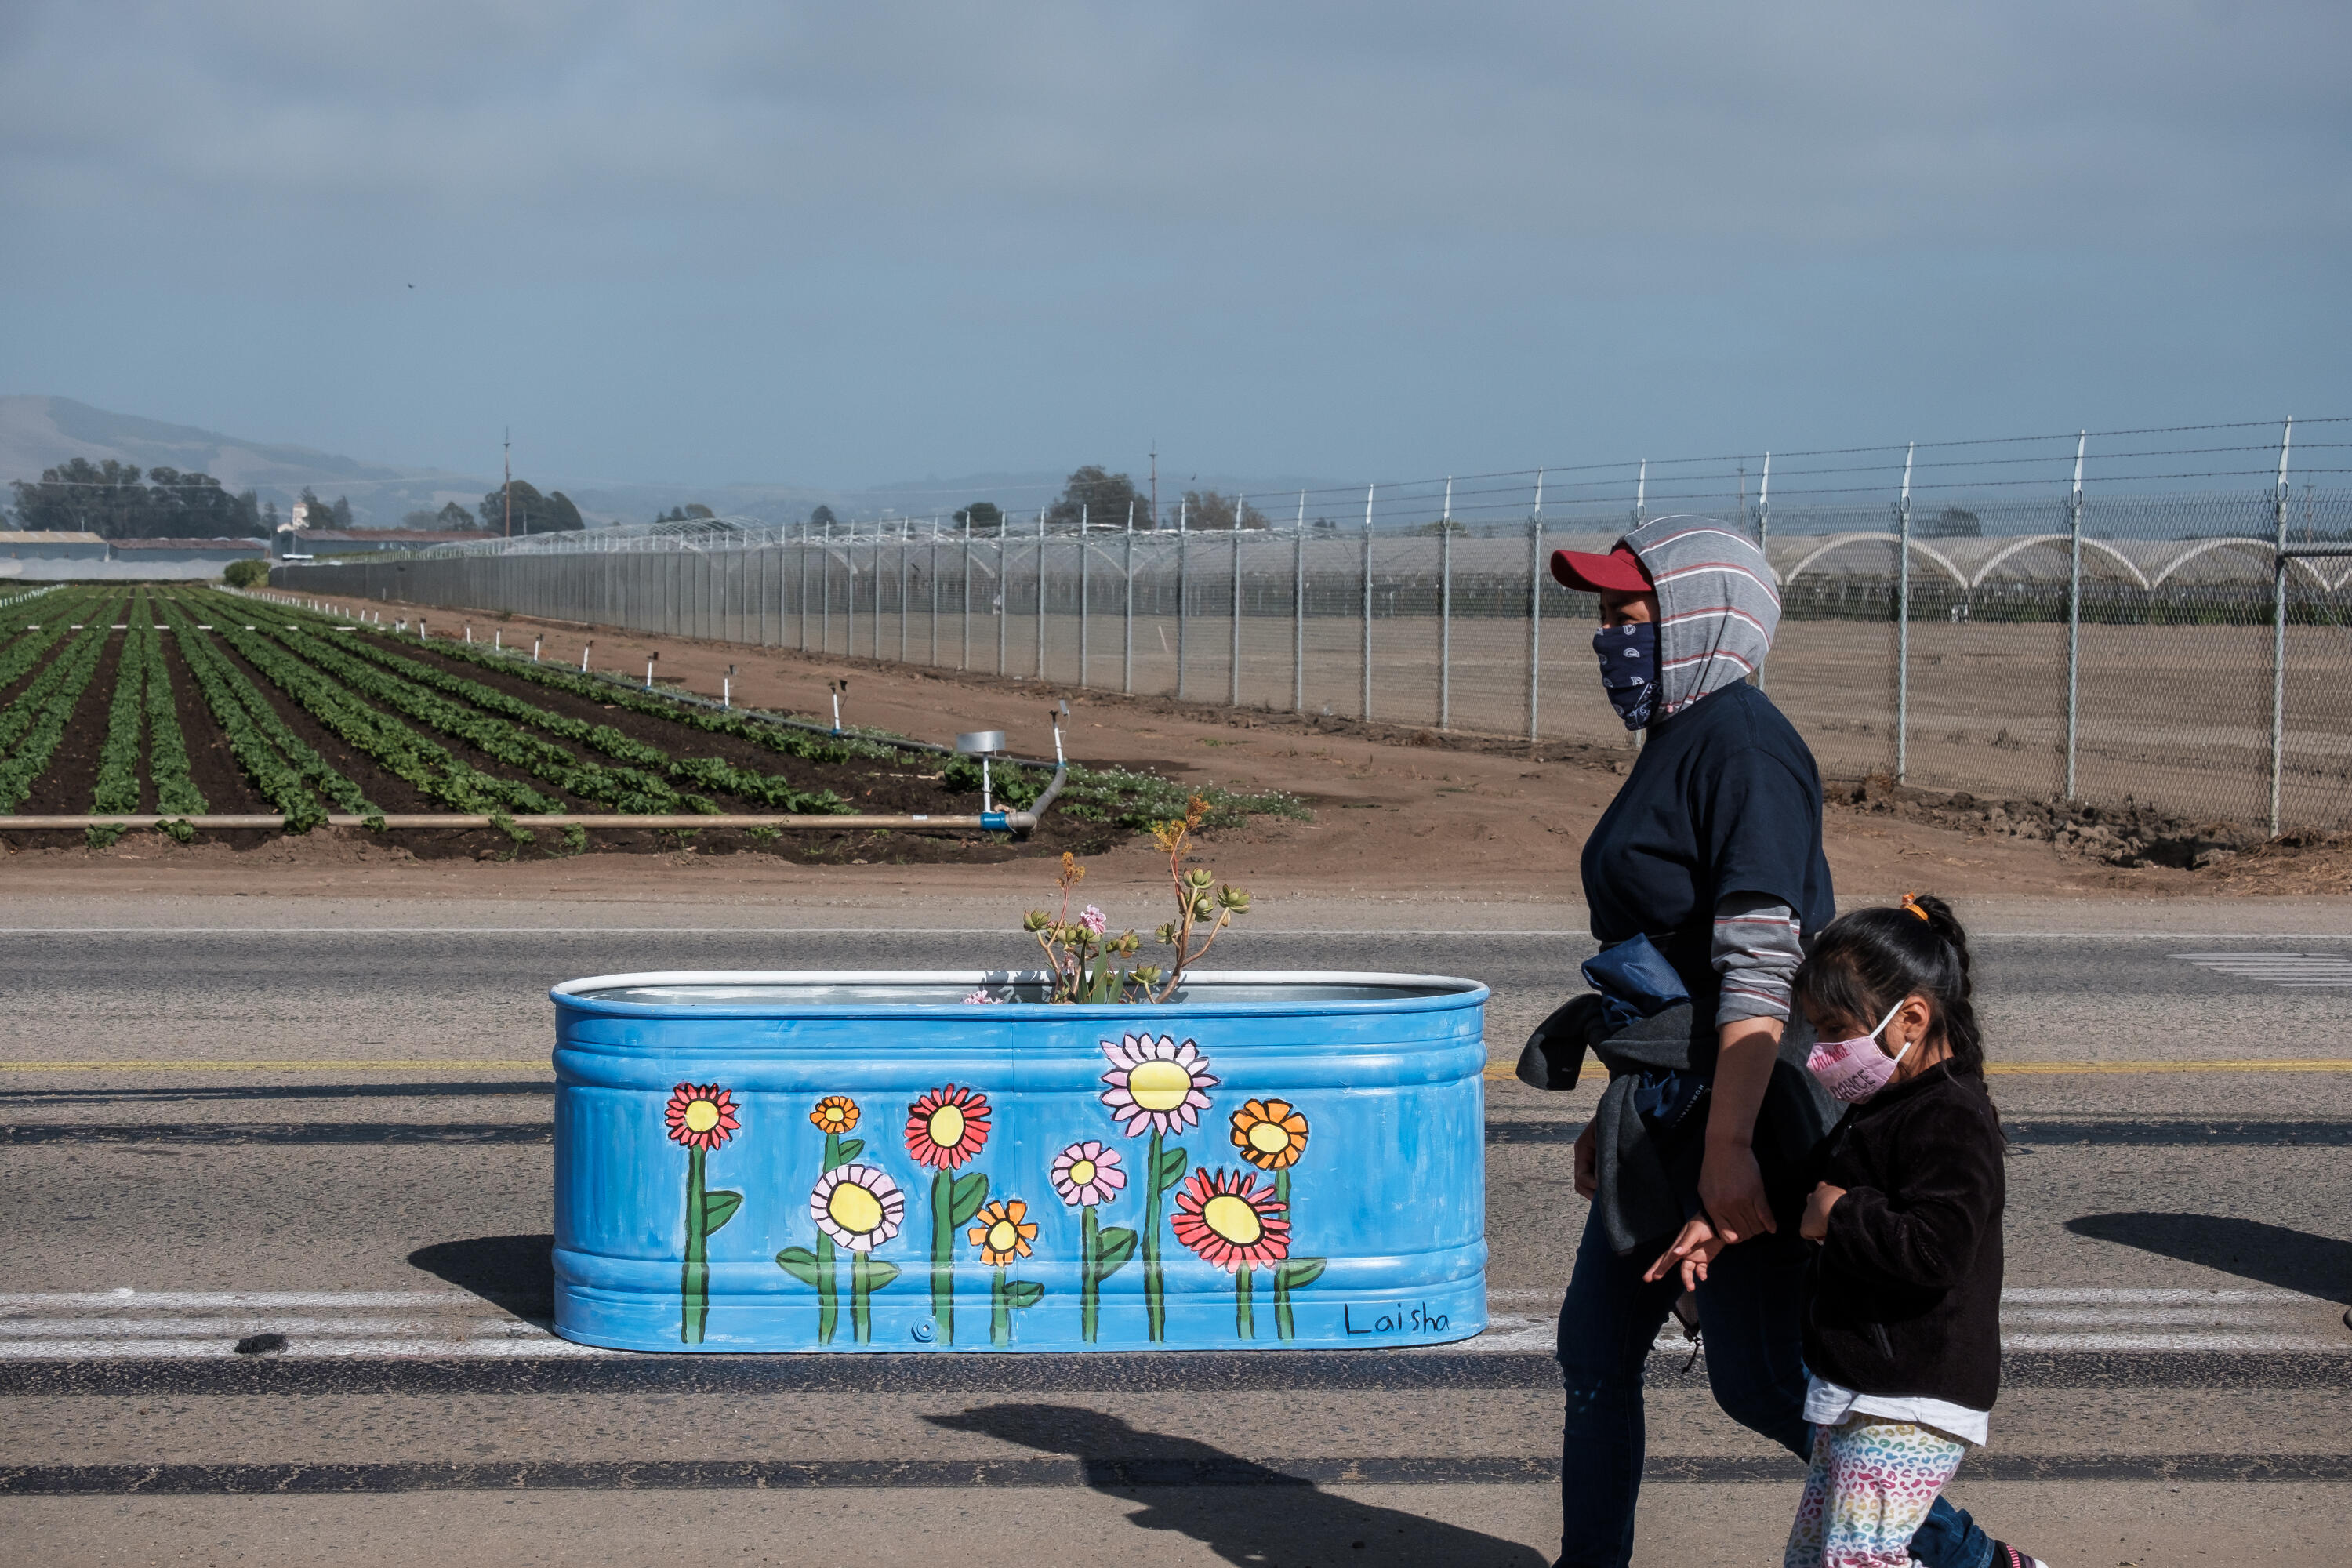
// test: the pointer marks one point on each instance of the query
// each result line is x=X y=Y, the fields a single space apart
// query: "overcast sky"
x=849 y=243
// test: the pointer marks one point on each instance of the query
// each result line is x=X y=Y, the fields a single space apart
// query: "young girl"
x=1902 y=1309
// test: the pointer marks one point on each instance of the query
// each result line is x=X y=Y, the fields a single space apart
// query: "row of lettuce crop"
x=31 y=726
x=286 y=771
x=400 y=751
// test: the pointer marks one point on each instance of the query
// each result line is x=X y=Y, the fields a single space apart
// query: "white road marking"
x=2289 y=970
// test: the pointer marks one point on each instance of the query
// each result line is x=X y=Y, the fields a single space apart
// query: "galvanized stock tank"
x=868 y=1160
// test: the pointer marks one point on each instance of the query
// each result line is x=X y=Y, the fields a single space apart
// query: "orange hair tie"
x=1911 y=903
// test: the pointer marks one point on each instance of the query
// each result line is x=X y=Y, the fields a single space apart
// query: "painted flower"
x=947 y=1127
x=834 y=1113
x=1002 y=1232
x=1225 y=1219
x=1156 y=1084
x=1270 y=1133
x=1094 y=920
x=857 y=1205
x=1087 y=1173
x=701 y=1117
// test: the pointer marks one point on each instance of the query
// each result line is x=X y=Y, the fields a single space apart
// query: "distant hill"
x=37 y=432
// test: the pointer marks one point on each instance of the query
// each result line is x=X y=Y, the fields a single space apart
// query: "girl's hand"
x=1695 y=1247
x=1816 y=1225
x=1588 y=1161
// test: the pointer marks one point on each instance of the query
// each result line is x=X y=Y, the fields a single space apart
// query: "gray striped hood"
x=1717 y=606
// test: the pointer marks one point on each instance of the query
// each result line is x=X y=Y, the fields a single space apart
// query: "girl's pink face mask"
x=1853 y=1070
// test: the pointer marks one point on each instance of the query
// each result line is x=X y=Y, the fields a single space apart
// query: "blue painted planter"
x=862 y=1161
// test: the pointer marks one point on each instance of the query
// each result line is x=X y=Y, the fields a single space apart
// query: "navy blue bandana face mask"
x=1629 y=670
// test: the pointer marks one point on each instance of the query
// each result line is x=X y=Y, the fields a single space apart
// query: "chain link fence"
x=2190 y=652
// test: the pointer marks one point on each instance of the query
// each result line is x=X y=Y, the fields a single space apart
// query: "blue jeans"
x=1750 y=1318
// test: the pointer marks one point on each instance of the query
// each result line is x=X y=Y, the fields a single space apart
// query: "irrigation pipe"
x=1019 y=823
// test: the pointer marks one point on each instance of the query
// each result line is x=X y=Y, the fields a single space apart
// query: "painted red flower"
x=1229 y=1221
x=947 y=1127
x=701 y=1116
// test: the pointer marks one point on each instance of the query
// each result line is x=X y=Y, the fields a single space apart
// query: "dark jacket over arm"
x=1906 y=1290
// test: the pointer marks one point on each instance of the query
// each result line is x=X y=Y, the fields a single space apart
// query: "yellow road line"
x=1496 y=1071
x=440 y=1064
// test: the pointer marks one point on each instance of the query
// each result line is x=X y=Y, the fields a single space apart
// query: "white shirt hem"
x=1829 y=1404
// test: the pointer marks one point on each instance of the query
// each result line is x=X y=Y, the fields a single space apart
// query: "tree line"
x=109 y=499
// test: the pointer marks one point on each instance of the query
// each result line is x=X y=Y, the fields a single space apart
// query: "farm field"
x=186 y=702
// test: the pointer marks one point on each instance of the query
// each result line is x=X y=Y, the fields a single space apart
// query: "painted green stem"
x=861 y=1298
x=1283 y=1328
x=1089 y=1278
x=1155 y=1309
x=693 y=1284
x=1000 y=1314
x=943 y=1253
x=828 y=1296
x=1245 y=1316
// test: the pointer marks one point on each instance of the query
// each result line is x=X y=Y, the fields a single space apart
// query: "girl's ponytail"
x=1865 y=962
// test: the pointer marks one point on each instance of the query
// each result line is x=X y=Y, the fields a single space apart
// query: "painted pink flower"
x=1156 y=1084
x=947 y=1127
x=1226 y=1218
x=1087 y=1173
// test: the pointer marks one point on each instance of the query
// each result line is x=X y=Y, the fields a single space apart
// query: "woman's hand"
x=1816 y=1224
x=1588 y=1161
x=1732 y=1188
x=1695 y=1247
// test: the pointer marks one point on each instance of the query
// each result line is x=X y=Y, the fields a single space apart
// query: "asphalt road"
x=2180 y=1261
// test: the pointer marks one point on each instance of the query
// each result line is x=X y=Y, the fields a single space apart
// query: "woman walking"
x=1712 y=852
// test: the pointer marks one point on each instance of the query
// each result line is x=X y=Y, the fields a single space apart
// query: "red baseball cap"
x=1619 y=572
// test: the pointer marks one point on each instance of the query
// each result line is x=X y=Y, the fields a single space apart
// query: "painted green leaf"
x=1115 y=1246
x=851 y=1148
x=800 y=1263
x=1172 y=1168
x=879 y=1273
x=1299 y=1272
x=1022 y=1292
x=971 y=1192
x=718 y=1208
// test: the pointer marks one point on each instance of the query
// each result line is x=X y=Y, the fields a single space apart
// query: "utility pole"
x=508 y=488
x=1155 y=484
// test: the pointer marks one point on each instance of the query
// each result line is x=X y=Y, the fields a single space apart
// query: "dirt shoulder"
x=1398 y=812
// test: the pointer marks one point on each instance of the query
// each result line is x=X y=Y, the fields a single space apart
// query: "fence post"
x=1234 y=674
x=824 y=590
x=1365 y=702
x=1903 y=624
x=1084 y=618
x=1535 y=609
x=1763 y=541
x=2278 y=631
x=906 y=540
x=932 y=562
x=1445 y=609
x=2074 y=616
x=1127 y=612
x=1041 y=592
x=1299 y=607
x=1003 y=594
x=965 y=662
x=1183 y=595
x=881 y=534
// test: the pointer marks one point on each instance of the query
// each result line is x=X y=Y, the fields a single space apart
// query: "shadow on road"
x=512 y=1271
x=2291 y=1259
x=1245 y=1512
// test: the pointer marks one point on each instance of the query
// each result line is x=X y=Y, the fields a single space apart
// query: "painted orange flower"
x=701 y=1116
x=1225 y=1219
x=1270 y=1133
x=834 y=1113
x=947 y=1127
x=1002 y=1232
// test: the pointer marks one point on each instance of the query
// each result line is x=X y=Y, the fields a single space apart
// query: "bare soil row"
x=908 y=784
